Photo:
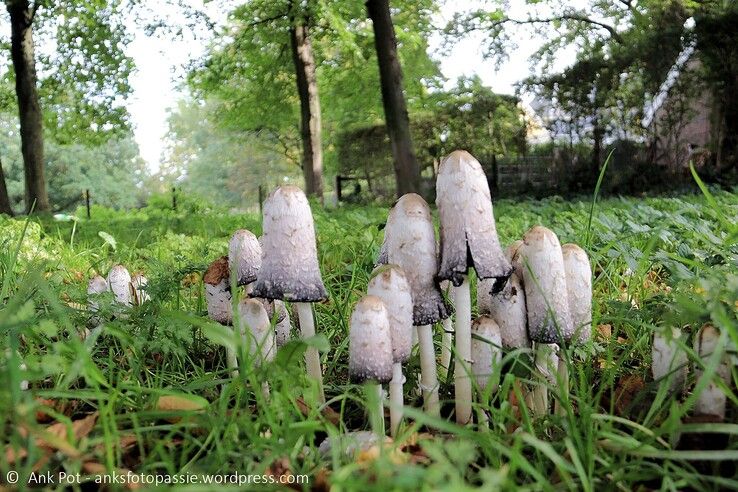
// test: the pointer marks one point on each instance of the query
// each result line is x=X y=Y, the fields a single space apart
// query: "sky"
x=160 y=60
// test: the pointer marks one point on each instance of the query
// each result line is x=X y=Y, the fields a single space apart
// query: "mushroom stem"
x=232 y=361
x=462 y=371
x=312 y=357
x=265 y=390
x=396 y=398
x=448 y=340
x=563 y=383
x=428 y=377
x=376 y=407
x=546 y=364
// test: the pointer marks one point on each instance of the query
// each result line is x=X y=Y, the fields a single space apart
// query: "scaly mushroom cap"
x=468 y=231
x=370 y=342
x=544 y=278
x=579 y=290
x=410 y=243
x=669 y=360
x=389 y=283
x=217 y=292
x=289 y=267
x=256 y=330
x=507 y=308
x=96 y=286
x=712 y=399
x=119 y=283
x=283 y=328
x=244 y=256
x=138 y=289
x=485 y=349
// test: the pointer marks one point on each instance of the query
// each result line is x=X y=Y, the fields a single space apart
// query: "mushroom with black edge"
x=389 y=283
x=257 y=334
x=289 y=268
x=468 y=240
x=370 y=354
x=579 y=293
x=410 y=243
x=547 y=303
x=486 y=353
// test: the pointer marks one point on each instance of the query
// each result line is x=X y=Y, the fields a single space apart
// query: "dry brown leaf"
x=604 y=332
x=182 y=403
x=327 y=412
x=321 y=482
x=626 y=390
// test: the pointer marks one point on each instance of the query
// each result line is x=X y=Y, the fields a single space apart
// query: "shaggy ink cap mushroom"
x=97 y=285
x=138 y=289
x=544 y=278
x=283 y=327
x=389 y=283
x=579 y=290
x=119 y=283
x=217 y=291
x=255 y=326
x=468 y=231
x=244 y=256
x=410 y=243
x=289 y=268
x=507 y=307
x=485 y=349
x=370 y=342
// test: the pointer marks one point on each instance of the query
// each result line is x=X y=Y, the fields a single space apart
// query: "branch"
x=268 y=19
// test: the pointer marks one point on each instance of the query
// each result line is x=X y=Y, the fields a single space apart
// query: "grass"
x=658 y=263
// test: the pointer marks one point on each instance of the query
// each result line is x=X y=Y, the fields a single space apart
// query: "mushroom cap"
x=119 y=283
x=579 y=290
x=389 y=283
x=468 y=231
x=97 y=285
x=370 y=342
x=218 y=292
x=244 y=256
x=283 y=328
x=669 y=360
x=507 y=308
x=138 y=289
x=289 y=267
x=256 y=330
x=486 y=353
x=410 y=243
x=712 y=400
x=544 y=279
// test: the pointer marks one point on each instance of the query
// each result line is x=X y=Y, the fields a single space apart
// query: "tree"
x=407 y=171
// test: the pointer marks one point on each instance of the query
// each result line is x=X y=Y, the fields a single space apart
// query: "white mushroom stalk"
x=119 y=283
x=410 y=243
x=388 y=282
x=370 y=353
x=289 y=269
x=486 y=357
x=669 y=360
x=549 y=320
x=547 y=366
x=139 y=294
x=257 y=334
x=244 y=256
x=447 y=339
x=579 y=293
x=468 y=240
x=711 y=401
x=219 y=302
x=96 y=286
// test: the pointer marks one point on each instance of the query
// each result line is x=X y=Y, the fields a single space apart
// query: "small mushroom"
x=711 y=401
x=257 y=334
x=218 y=292
x=486 y=355
x=388 y=282
x=468 y=240
x=96 y=286
x=370 y=353
x=410 y=243
x=244 y=256
x=507 y=307
x=139 y=295
x=289 y=268
x=283 y=328
x=669 y=360
x=119 y=283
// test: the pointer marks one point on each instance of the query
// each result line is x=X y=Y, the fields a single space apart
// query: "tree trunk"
x=597 y=134
x=31 y=123
x=407 y=172
x=5 y=207
x=307 y=88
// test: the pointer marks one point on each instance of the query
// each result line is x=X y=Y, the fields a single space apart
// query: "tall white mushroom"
x=711 y=401
x=547 y=302
x=370 y=353
x=389 y=283
x=139 y=294
x=486 y=353
x=468 y=240
x=119 y=283
x=244 y=256
x=289 y=268
x=257 y=334
x=669 y=360
x=410 y=243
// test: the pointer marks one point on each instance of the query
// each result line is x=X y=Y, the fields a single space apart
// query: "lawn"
x=95 y=405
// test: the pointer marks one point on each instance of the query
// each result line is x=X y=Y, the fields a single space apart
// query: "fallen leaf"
x=181 y=402
x=321 y=482
x=327 y=412
x=626 y=389
x=604 y=332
